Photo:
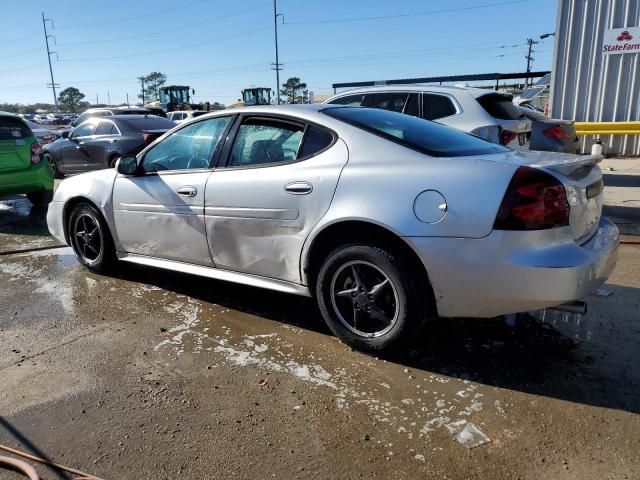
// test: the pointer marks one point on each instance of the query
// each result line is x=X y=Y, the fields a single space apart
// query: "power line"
x=26 y=52
x=165 y=50
x=22 y=68
x=20 y=38
x=404 y=15
x=127 y=19
x=166 y=30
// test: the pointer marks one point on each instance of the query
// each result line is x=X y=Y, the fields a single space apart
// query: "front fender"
x=96 y=187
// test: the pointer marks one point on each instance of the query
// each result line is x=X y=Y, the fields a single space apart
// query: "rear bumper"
x=36 y=178
x=511 y=272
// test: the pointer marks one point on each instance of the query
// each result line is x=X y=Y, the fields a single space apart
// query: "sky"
x=219 y=47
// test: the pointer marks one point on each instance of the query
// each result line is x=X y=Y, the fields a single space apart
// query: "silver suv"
x=485 y=113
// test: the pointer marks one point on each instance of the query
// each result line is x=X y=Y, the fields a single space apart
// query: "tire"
x=54 y=166
x=40 y=199
x=386 y=288
x=90 y=238
x=113 y=160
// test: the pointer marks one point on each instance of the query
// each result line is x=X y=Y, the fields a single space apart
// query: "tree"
x=70 y=98
x=152 y=84
x=290 y=87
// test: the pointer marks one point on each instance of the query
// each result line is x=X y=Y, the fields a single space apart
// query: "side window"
x=349 y=100
x=436 y=106
x=412 y=107
x=83 y=130
x=315 y=140
x=393 y=101
x=188 y=148
x=106 y=128
x=261 y=141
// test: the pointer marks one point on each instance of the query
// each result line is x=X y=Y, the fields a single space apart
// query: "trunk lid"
x=15 y=144
x=582 y=179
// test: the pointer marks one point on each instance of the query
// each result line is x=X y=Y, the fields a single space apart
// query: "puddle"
x=404 y=402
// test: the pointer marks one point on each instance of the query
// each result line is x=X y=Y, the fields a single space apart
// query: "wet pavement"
x=152 y=374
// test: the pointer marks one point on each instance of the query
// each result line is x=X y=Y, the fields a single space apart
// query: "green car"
x=22 y=166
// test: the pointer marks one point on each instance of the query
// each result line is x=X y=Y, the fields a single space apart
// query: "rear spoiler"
x=570 y=165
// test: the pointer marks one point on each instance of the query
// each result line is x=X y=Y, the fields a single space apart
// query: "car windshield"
x=147 y=123
x=13 y=128
x=422 y=135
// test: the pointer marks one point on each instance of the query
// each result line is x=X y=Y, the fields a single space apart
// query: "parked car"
x=108 y=112
x=44 y=135
x=22 y=169
x=485 y=113
x=386 y=219
x=99 y=141
x=182 y=116
x=550 y=134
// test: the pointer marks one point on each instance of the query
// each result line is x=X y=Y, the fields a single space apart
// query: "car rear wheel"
x=370 y=299
x=113 y=160
x=54 y=166
x=90 y=238
x=40 y=199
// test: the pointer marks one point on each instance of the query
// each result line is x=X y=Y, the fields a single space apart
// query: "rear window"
x=500 y=107
x=415 y=133
x=147 y=123
x=13 y=128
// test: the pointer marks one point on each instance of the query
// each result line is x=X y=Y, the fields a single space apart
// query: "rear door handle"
x=187 y=191
x=298 y=188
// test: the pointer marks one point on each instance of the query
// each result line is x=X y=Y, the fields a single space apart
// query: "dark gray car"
x=551 y=134
x=98 y=142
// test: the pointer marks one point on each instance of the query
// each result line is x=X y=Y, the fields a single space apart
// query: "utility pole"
x=276 y=66
x=49 y=52
x=97 y=102
x=108 y=98
x=127 y=99
x=531 y=42
x=142 y=87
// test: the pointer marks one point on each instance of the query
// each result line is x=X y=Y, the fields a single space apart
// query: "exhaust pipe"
x=572 y=307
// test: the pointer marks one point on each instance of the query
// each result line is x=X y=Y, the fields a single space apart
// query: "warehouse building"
x=596 y=74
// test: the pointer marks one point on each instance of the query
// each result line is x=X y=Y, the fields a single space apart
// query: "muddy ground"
x=150 y=374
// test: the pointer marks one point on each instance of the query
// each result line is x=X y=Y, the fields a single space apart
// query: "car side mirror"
x=127 y=165
x=65 y=134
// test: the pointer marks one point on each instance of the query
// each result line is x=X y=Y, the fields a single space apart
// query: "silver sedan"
x=386 y=219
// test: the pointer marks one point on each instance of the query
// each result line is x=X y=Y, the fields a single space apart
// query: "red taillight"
x=506 y=137
x=36 y=151
x=148 y=138
x=556 y=133
x=48 y=138
x=535 y=200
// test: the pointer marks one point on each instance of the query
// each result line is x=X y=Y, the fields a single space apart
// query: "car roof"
x=9 y=114
x=451 y=90
x=304 y=112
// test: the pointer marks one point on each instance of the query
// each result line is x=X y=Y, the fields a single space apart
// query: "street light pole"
x=49 y=52
x=276 y=66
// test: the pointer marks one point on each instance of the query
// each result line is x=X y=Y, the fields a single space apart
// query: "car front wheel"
x=370 y=299
x=90 y=238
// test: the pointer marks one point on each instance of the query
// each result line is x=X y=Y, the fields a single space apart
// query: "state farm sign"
x=621 y=40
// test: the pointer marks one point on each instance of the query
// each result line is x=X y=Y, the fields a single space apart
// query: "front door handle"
x=298 y=188
x=187 y=191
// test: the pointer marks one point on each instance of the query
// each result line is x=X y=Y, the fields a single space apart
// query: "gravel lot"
x=151 y=374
